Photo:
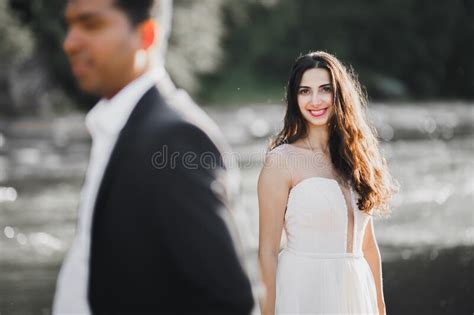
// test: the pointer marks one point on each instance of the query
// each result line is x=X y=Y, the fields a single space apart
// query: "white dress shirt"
x=104 y=122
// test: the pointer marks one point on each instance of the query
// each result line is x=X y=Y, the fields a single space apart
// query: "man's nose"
x=72 y=41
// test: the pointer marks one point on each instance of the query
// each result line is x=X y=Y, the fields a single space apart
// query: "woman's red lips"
x=318 y=113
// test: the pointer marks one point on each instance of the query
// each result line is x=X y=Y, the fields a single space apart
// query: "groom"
x=154 y=233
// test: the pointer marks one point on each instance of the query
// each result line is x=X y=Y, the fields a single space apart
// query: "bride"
x=322 y=181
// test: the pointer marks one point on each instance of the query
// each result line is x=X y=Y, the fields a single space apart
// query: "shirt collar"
x=109 y=116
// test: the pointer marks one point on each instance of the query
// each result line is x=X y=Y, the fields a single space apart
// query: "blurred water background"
x=414 y=58
x=427 y=244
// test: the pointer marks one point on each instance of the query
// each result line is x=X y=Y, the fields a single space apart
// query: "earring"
x=140 y=59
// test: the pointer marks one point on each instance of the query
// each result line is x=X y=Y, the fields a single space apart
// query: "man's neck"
x=135 y=75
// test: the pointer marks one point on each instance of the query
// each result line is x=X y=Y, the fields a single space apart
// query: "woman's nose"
x=316 y=99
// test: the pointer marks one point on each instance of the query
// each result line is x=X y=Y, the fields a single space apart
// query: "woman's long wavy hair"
x=353 y=143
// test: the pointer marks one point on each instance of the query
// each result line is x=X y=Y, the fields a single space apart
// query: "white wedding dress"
x=322 y=269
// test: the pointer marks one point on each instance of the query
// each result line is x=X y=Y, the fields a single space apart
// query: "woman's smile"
x=318 y=113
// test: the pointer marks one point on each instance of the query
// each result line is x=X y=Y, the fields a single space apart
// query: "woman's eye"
x=327 y=89
x=303 y=91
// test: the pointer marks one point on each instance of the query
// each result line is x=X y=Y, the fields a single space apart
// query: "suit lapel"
x=144 y=106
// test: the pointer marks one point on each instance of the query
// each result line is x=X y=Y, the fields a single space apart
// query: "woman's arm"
x=372 y=255
x=273 y=187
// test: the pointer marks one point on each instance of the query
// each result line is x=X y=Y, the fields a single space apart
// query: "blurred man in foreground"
x=154 y=232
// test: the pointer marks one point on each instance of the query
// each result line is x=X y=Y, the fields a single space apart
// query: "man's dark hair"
x=136 y=10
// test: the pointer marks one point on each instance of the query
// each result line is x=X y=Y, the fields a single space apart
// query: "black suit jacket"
x=159 y=243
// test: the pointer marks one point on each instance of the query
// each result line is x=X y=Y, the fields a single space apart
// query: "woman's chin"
x=320 y=122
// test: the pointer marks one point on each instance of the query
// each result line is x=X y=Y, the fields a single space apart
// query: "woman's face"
x=315 y=96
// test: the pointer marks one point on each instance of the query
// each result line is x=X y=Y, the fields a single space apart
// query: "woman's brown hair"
x=353 y=144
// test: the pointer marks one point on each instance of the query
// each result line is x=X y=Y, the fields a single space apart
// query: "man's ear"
x=149 y=33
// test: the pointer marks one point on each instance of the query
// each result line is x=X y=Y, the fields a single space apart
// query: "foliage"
x=401 y=49
x=241 y=50
x=16 y=42
x=193 y=46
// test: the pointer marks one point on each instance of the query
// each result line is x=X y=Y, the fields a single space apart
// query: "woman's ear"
x=149 y=33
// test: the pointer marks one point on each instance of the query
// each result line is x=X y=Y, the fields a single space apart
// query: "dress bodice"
x=322 y=216
x=317 y=218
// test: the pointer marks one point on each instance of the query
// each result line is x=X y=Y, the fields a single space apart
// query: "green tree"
x=401 y=49
x=16 y=44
